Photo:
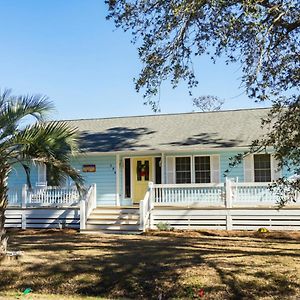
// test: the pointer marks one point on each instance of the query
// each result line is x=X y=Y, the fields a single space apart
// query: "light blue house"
x=185 y=156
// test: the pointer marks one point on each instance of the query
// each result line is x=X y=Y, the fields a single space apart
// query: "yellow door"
x=142 y=174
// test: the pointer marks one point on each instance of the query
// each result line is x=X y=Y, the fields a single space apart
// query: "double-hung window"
x=202 y=169
x=262 y=167
x=183 y=169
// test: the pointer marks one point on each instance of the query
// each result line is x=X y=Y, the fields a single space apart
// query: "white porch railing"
x=87 y=205
x=253 y=193
x=14 y=196
x=229 y=194
x=191 y=194
x=43 y=196
x=146 y=205
x=52 y=196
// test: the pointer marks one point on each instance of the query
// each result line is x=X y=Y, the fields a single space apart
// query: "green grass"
x=175 y=265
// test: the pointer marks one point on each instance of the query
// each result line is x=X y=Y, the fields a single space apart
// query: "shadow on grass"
x=139 y=267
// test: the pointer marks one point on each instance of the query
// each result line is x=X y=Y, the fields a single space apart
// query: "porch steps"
x=120 y=220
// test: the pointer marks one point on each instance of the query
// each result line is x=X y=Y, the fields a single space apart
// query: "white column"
x=117 y=180
x=24 y=196
x=228 y=193
x=163 y=171
x=228 y=203
x=23 y=216
x=82 y=214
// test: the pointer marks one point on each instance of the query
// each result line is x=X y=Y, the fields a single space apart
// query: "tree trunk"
x=4 y=171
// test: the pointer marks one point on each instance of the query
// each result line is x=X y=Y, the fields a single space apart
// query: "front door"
x=142 y=174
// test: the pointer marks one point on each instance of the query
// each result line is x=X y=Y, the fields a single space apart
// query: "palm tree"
x=22 y=142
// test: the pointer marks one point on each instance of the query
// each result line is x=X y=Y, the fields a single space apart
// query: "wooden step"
x=103 y=231
x=91 y=221
x=116 y=219
x=113 y=215
x=112 y=227
x=115 y=210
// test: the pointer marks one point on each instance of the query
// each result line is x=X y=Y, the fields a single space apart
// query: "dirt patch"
x=163 y=265
x=280 y=235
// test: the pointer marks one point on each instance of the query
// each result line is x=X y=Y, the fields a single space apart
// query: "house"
x=184 y=158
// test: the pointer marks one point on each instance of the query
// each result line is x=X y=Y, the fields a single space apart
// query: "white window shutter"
x=215 y=168
x=170 y=167
x=275 y=171
x=249 y=168
x=42 y=174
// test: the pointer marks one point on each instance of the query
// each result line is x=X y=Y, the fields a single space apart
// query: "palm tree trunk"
x=4 y=171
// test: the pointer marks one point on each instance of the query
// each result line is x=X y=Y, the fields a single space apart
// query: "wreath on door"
x=142 y=170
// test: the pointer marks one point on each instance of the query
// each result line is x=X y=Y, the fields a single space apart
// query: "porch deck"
x=228 y=205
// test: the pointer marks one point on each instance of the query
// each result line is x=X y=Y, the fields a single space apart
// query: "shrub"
x=164 y=226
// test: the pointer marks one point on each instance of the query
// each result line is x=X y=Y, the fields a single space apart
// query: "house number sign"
x=89 y=168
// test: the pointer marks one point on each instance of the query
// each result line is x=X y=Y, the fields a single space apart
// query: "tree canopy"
x=261 y=35
x=50 y=143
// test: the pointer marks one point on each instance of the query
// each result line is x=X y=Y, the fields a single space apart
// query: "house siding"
x=17 y=176
x=104 y=177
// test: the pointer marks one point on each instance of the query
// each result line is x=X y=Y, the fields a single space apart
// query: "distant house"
x=184 y=155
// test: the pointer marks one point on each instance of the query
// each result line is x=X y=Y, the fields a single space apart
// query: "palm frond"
x=52 y=143
x=13 y=109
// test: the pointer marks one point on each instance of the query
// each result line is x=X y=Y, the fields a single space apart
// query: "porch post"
x=82 y=215
x=163 y=168
x=117 y=180
x=228 y=193
x=228 y=203
x=24 y=196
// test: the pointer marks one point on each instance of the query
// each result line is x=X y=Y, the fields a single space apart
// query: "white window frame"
x=41 y=174
x=191 y=167
x=210 y=169
x=274 y=173
x=192 y=160
x=271 y=167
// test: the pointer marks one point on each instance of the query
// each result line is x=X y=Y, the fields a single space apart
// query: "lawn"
x=164 y=266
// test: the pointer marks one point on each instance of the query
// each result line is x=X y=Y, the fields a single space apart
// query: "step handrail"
x=146 y=206
x=87 y=205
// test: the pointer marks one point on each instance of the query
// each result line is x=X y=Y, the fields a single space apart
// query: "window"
x=42 y=171
x=183 y=170
x=127 y=178
x=262 y=168
x=202 y=169
x=158 y=170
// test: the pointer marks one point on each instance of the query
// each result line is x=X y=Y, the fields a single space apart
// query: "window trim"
x=271 y=166
x=123 y=177
x=191 y=167
x=210 y=169
x=154 y=168
x=41 y=174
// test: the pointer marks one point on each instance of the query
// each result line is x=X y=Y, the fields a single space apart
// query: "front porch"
x=229 y=205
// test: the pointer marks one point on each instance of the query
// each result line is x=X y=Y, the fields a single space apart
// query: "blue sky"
x=70 y=52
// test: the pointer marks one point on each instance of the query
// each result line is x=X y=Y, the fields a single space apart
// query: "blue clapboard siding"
x=16 y=180
x=235 y=172
x=17 y=176
x=104 y=177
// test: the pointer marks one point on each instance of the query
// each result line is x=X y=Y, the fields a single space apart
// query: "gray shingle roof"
x=232 y=128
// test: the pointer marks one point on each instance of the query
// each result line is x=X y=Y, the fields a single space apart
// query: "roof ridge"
x=164 y=114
